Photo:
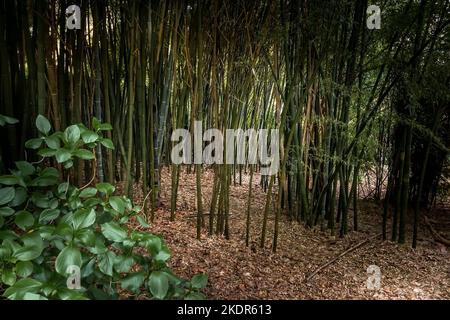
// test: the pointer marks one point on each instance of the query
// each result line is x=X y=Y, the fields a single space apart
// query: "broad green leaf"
x=117 y=204
x=158 y=284
x=87 y=236
x=199 y=281
x=195 y=296
x=48 y=288
x=105 y=187
x=133 y=281
x=34 y=143
x=5 y=252
x=63 y=187
x=91 y=202
x=40 y=200
x=153 y=244
x=6 y=212
x=99 y=247
x=33 y=239
x=24 y=268
x=68 y=164
x=128 y=243
x=44 y=181
x=69 y=294
x=107 y=143
x=83 y=218
x=88 y=268
x=106 y=262
x=33 y=296
x=64 y=230
x=67 y=218
x=46 y=232
x=104 y=127
x=48 y=215
x=46 y=152
x=72 y=134
x=69 y=256
x=54 y=203
x=8 y=277
x=19 y=198
x=50 y=172
x=23 y=286
x=89 y=136
x=53 y=142
x=142 y=221
x=62 y=155
x=24 y=220
x=95 y=123
x=6 y=195
x=26 y=168
x=8 y=120
x=123 y=263
x=88 y=192
x=84 y=154
x=7 y=235
x=113 y=232
x=28 y=252
x=139 y=236
x=2 y=221
x=124 y=220
x=43 y=125
x=162 y=255
x=173 y=278
x=9 y=180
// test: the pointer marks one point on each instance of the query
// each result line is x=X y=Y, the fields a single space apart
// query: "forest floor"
x=239 y=272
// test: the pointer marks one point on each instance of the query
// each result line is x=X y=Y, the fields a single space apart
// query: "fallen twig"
x=310 y=276
x=437 y=237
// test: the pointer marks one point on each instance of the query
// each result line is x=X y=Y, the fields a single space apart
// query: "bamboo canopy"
x=347 y=99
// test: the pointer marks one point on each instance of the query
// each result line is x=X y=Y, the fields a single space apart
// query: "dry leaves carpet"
x=239 y=272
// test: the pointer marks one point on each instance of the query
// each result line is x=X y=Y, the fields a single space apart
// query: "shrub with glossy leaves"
x=52 y=231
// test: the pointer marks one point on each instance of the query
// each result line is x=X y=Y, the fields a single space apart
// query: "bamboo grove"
x=347 y=100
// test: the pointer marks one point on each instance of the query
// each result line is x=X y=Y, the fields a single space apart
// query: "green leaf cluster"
x=49 y=226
